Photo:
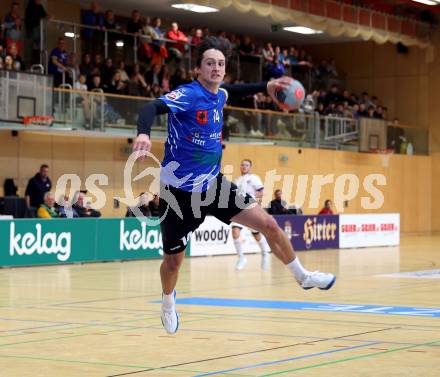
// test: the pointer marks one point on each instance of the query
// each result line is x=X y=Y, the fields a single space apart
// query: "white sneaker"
x=321 y=280
x=170 y=319
x=265 y=261
x=241 y=263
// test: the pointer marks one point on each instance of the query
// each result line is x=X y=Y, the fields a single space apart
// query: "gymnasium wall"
x=400 y=81
x=407 y=190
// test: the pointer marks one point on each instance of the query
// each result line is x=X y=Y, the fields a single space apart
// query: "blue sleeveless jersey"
x=193 y=149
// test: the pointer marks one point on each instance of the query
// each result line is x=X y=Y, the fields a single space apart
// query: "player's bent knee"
x=271 y=228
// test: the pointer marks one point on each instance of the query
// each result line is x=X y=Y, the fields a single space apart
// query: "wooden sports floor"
x=103 y=319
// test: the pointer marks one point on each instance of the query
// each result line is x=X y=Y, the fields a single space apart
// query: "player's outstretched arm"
x=146 y=118
x=271 y=87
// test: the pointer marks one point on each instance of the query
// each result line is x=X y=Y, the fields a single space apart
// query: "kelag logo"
x=39 y=242
x=320 y=229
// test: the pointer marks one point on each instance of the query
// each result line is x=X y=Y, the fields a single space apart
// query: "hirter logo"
x=202 y=116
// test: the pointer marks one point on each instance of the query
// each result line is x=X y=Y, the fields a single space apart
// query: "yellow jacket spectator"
x=47 y=209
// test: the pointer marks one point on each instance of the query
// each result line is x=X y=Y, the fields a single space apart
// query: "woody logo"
x=202 y=116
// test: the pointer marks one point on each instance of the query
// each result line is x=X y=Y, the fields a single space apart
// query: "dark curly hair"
x=216 y=43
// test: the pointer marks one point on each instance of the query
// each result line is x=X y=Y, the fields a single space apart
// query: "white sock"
x=297 y=270
x=168 y=302
x=238 y=247
x=264 y=246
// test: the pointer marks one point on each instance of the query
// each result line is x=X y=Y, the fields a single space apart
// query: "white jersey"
x=249 y=183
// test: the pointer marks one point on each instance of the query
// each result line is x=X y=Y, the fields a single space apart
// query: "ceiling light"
x=427 y=2
x=195 y=8
x=302 y=30
x=119 y=44
x=69 y=34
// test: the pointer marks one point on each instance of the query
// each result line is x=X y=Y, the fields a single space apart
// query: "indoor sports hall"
x=343 y=167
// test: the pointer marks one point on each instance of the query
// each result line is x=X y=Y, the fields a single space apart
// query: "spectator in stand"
x=2 y=63
x=82 y=99
x=148 y=29
x=371 y=112
x=156 y=92
x=346 y=97
x=94 y=18
x=73 y=67
x=206 y=32
x=293 y=56
x=86 y=66
x=47 y=209
x=247 y=48
x=35 y=12
x=123 y=72
x=64 y=208
x=13 y=27
x=116 y=85
x=137 y=85
x=311 y=102
x=222 y=34
x=321 y=109
x=109 y=22
x=177 y=49
x=268 y=54
x=331 y=68
x=278 y=53
x=365 y=99
x=12 y=51
x=179 y=78
x=303 y=58
x=327 y=209
x=134 y=26
x=147 y=36
x=235 y=42
x=80 y=83
x=278 y=206
x=153 y=75
x=154 y=206
x=82 y=208
x=363 y=110
x=95 y=83
x=37 y=186
x=197 y=38
x=333 y=96
x=9 y=63
x=355 y=111
x=284 y=57
x=107 y=72
x=142 y=206
x=378 y=113
x=58 y=62
x=160 y=53
x=98 y=63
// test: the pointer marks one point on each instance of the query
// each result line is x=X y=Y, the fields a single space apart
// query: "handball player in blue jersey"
x=192 y=185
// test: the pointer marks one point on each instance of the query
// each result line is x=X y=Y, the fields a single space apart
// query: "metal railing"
x=249 y=68
x=111 y=112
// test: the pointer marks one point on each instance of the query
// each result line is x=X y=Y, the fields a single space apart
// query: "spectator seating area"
x=163 y=60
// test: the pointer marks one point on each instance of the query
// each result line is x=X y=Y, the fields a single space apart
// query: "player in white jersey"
x=251 y=184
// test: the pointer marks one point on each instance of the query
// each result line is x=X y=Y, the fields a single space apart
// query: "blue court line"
x=286 y=360
x=312 y=306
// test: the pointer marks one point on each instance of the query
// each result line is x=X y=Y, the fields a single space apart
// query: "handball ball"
x=292 y=97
